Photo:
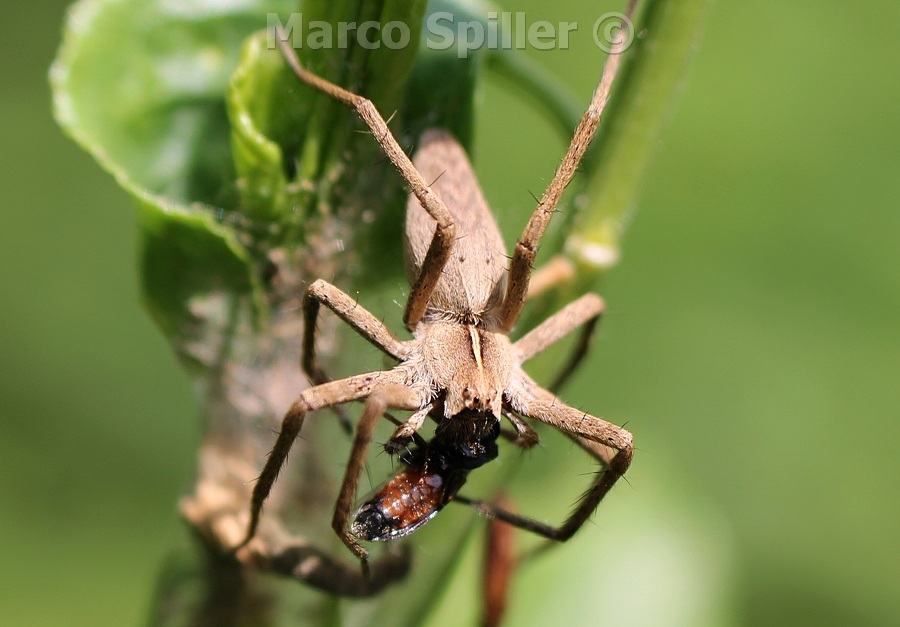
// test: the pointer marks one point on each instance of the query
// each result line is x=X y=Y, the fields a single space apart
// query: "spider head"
x=469 y=365
x=471 y=393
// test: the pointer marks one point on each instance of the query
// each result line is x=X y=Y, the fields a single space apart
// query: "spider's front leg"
x=393 y=395
x=445 y=229
x=594 y=434
x=522 y=262
x=350 y=311
x=584 y=312
x=319 y=397
x=357 y=317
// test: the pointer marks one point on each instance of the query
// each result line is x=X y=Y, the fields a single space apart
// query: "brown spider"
x=460 y=367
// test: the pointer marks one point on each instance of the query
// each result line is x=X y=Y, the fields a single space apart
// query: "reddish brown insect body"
x=433 y=475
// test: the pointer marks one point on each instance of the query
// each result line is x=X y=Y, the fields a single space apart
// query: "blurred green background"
x=752 y=342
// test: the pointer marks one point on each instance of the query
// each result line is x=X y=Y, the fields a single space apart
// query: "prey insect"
x=433 y=474
x=460 y=367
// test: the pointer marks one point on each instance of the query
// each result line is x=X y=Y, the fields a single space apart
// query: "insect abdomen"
x=404 y=504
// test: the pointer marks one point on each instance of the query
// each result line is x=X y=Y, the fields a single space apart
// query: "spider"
x=460 y=367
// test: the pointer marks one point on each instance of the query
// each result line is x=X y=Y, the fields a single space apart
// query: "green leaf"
x=140 y=86
x=255 y=97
